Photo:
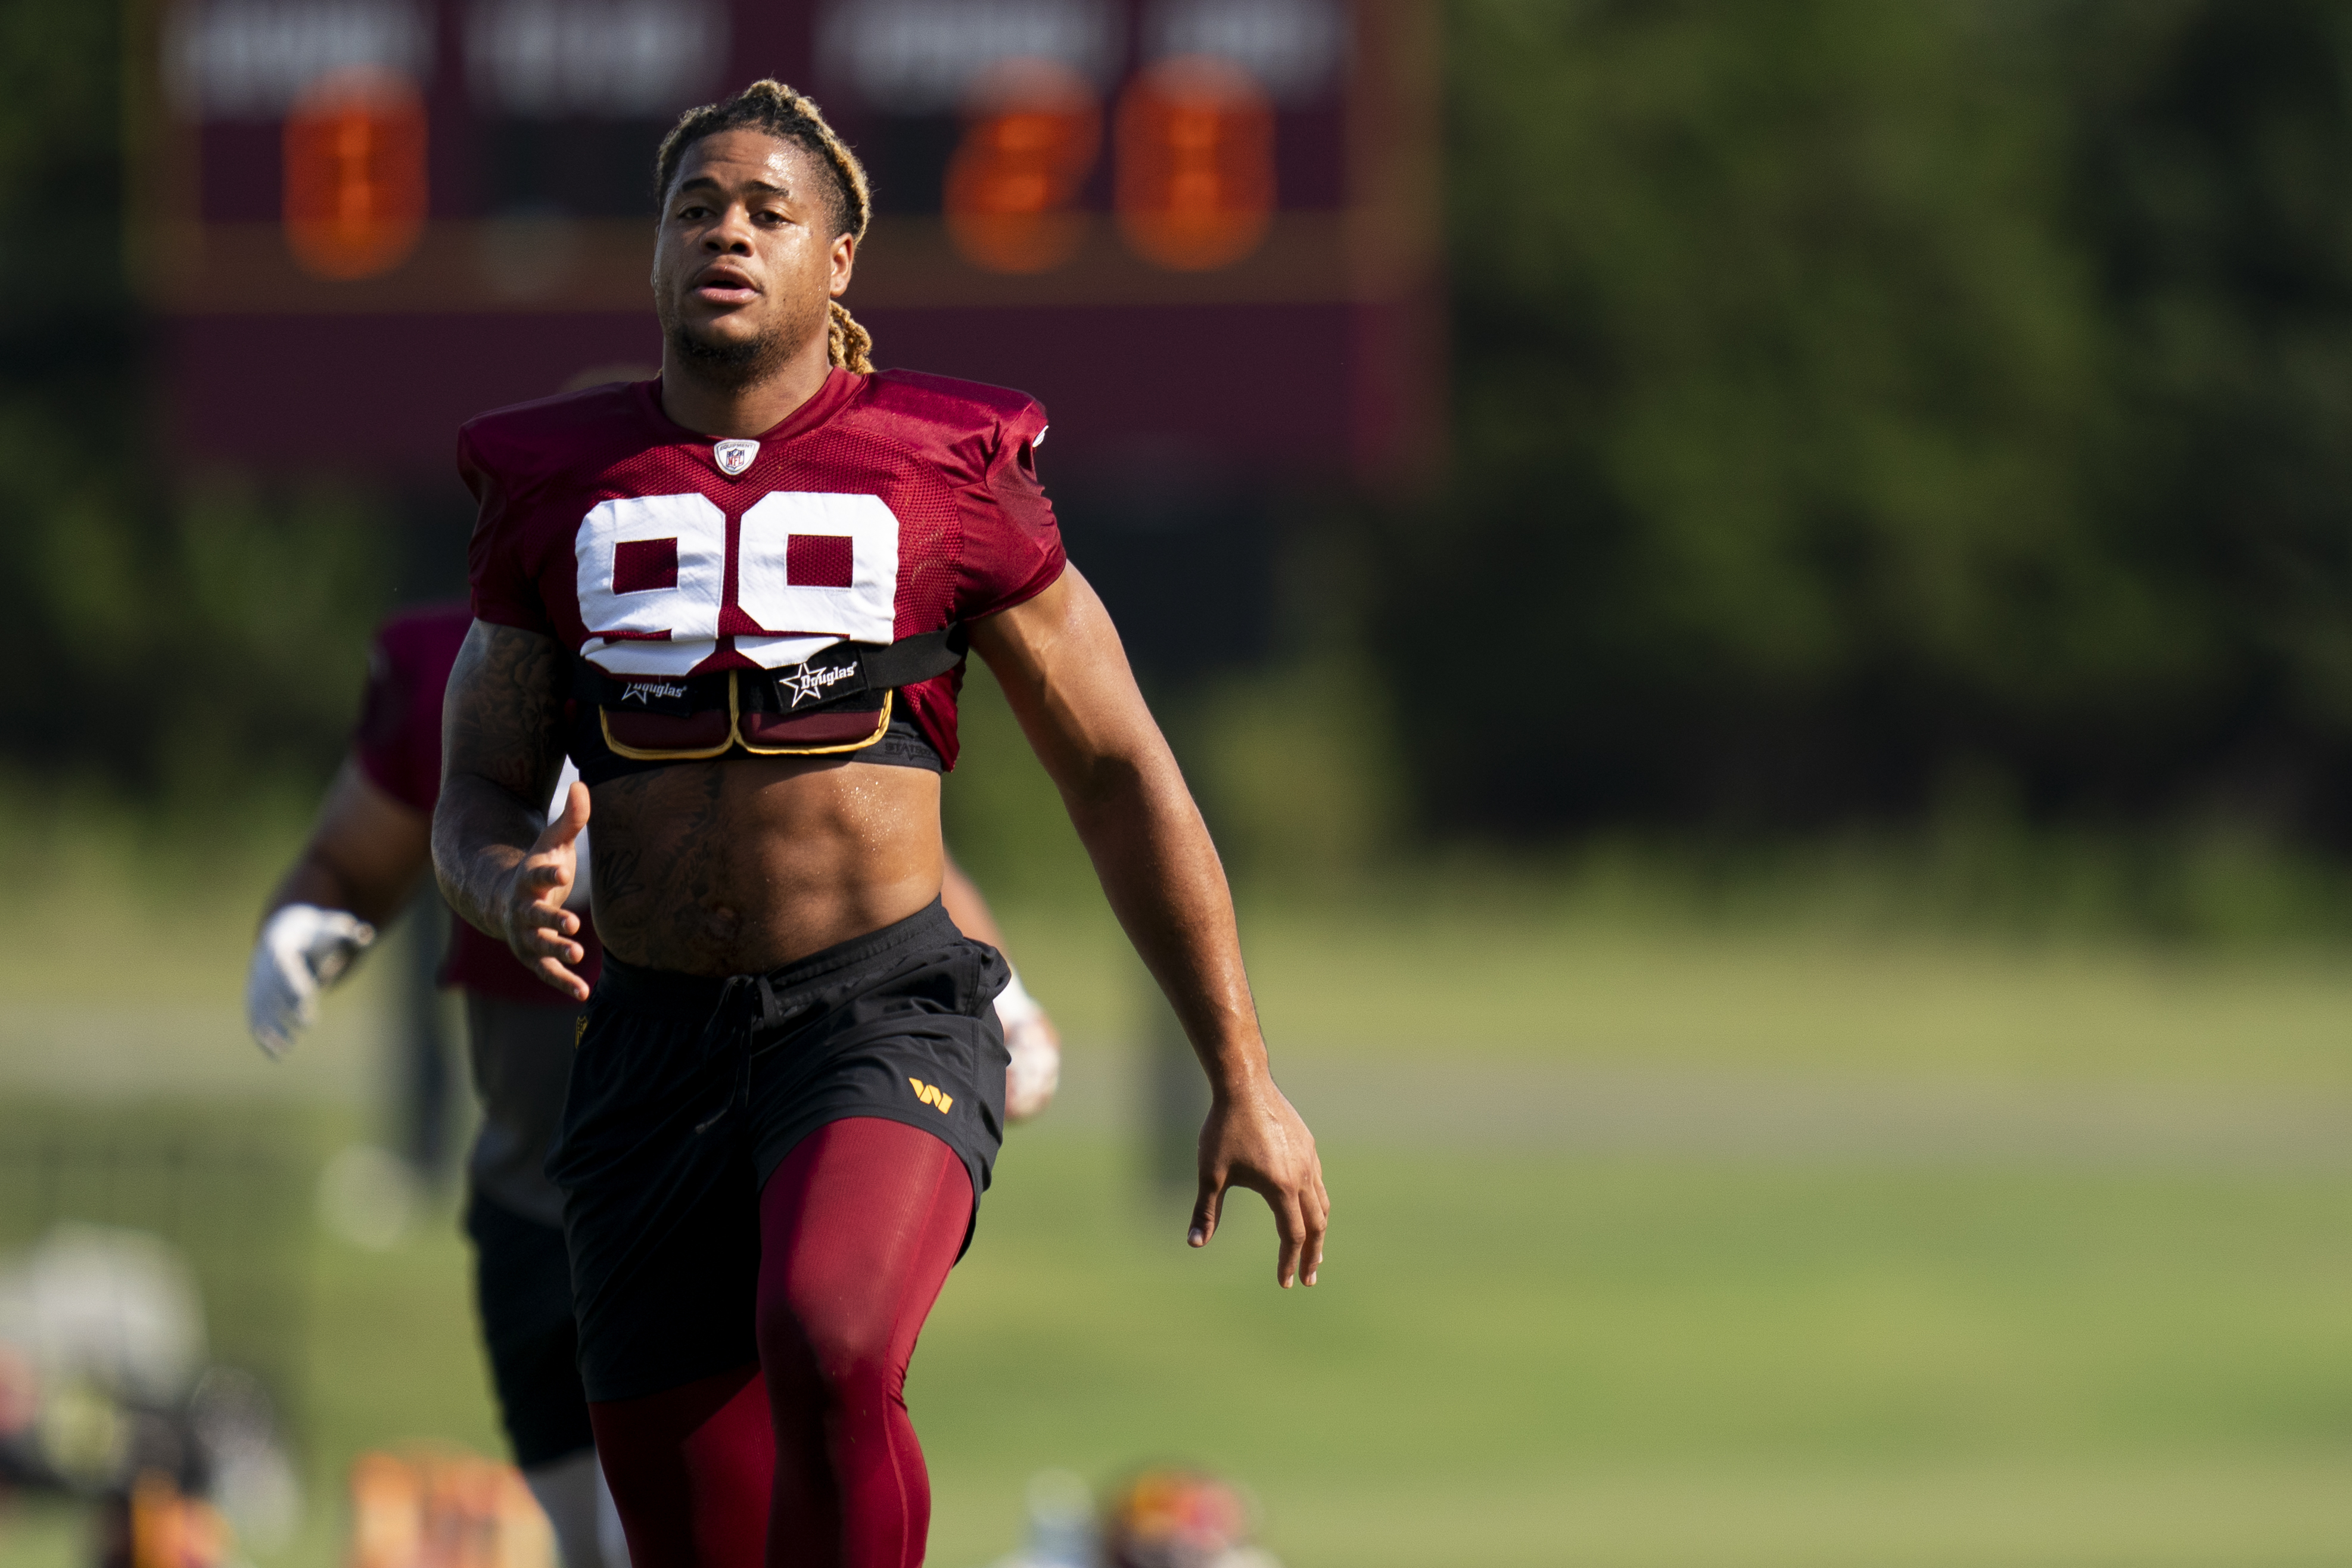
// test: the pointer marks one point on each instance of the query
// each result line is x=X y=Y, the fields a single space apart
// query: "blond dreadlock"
x=794 y=117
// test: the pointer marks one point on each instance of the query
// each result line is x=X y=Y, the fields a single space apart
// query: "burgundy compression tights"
x=807 y=1458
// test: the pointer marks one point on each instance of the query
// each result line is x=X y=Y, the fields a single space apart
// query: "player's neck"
x=719 y=410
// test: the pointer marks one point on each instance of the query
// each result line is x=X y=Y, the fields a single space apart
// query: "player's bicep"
x=375 y=845
x=1066 y=679
x=502 y=718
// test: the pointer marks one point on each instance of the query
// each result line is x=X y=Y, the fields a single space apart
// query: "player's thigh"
x=860 y=1223
x=660 y=1209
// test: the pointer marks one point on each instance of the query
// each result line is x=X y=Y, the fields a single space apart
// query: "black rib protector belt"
x=829 y=676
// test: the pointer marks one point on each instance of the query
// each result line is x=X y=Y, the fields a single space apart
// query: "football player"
x=737 y=597
x=364 y=857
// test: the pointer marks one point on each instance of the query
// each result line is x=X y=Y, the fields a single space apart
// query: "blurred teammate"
x=365 y=856
x=1176 y=1518
x=757 y=574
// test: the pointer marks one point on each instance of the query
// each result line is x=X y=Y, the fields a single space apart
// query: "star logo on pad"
x=734 y=457
x=806 y=680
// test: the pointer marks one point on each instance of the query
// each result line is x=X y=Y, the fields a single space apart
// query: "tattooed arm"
x=503 y=867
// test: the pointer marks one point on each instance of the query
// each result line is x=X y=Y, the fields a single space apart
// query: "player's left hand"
x=1254 y=1139
x=302 y=949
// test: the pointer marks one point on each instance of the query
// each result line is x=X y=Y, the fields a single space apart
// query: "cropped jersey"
x=884 y=507
x=398 y=746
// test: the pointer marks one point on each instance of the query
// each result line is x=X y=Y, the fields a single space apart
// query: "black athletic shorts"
x=688 y=1092
x=522 y=1288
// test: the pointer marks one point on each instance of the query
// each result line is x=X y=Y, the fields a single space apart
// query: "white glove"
x=303 y=949
x=1036 y=1070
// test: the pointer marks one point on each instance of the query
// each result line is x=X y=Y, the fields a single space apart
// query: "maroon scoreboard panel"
x=1202 y=231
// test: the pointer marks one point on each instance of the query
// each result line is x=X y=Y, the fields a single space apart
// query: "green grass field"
x=1805 y=1244
x=1539 y=1361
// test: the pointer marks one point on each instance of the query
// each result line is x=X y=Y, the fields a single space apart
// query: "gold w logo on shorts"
x=932 y=1094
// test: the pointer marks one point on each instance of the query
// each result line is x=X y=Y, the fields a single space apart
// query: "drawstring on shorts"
x=745 y=1009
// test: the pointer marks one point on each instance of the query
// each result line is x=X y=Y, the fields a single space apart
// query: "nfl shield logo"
x=734 y=457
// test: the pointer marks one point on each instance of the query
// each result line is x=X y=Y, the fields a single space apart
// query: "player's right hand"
x=539 y=929
x=302 y=949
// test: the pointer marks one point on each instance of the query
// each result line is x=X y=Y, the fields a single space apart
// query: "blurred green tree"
x=1859 y=407
x=2211 y=176
x=75 y=438
x=1854 y=399
x=176 y=637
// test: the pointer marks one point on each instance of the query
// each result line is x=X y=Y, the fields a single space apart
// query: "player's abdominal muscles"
x=738 y=866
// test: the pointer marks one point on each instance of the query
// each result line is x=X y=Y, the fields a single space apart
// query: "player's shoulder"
x=424 y=636
x=524 y=439
x=951 y=413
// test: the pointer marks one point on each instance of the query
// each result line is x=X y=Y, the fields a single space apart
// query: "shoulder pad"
x=957 y=409
x=421 y=644
x=424 y=620
x=518 y=440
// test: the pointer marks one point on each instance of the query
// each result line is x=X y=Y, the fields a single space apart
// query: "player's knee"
x=843 y=1348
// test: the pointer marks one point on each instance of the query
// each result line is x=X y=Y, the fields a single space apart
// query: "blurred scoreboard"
x=1203 y=231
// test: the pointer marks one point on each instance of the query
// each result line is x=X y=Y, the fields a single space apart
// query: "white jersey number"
x=812 y=568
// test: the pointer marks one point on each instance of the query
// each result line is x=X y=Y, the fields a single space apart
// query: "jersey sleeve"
x=389 y=746
x=503 y=590
x=1013 y=543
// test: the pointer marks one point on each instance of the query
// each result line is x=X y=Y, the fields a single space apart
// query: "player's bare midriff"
x=728 y=867
x=742 y=866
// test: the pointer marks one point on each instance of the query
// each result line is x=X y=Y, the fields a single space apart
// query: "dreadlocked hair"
x=794 y=117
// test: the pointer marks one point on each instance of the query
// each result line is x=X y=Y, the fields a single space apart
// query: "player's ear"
x=844 y=261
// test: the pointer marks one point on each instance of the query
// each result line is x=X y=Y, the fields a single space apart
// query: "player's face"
x=748 y=258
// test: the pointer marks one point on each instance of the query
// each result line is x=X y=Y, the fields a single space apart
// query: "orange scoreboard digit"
x=1197 y=229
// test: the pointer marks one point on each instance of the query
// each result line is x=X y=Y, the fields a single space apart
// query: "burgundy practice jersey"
x=884 y=507
x=398 y=746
